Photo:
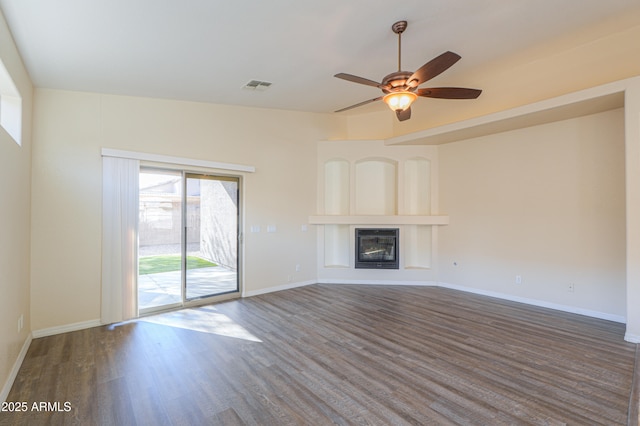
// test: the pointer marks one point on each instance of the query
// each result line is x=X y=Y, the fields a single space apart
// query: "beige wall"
x=70 y=128
x=15 y=184
x=544 y=202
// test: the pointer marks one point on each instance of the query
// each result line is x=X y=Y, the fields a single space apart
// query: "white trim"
x=378 y=220
x=571 y=309
x=377 y=282
x=66 y=328
x=277 y=288
x=539 y=303
x=14 y=370
x=169 y=159
x=633 y=338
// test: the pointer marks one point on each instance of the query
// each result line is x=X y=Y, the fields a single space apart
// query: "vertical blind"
x=119 y=238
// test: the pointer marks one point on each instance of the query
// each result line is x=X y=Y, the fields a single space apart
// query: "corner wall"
x=546 y=203
x=15 y=211
x=365 y=184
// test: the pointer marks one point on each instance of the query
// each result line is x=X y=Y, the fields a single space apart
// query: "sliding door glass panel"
x=160 y=240
x=211 y=235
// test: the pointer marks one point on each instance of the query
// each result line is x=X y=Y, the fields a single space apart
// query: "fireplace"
x=377 y=248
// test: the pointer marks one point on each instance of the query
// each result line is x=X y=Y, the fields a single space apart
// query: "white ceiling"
x=206 y=50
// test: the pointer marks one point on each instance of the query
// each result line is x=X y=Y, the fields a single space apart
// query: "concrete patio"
x=155 y=290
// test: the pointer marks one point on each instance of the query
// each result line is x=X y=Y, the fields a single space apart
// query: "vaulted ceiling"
x=207 y=50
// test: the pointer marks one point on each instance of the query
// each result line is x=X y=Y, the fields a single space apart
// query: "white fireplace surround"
x=365 y=184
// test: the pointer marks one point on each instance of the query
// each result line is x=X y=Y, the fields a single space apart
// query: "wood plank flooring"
x=337 y=354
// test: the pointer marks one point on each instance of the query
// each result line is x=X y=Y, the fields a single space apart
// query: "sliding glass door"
x=188 y=238
x=159 y=239
x=211 y=235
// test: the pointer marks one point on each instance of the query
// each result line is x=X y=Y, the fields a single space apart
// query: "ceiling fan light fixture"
x=399 y=101
x=400 y=88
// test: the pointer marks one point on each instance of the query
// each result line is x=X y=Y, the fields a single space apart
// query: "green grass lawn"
x=169 y=262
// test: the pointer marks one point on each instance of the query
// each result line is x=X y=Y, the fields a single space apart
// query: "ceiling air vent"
x=257 y=85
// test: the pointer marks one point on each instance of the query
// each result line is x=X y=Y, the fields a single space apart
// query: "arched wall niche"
x=337 y=187
x=376 y=182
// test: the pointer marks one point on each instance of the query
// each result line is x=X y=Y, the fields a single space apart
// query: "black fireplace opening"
x=377 y=248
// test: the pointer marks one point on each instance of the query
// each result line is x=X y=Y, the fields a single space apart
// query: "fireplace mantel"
x=378 y=220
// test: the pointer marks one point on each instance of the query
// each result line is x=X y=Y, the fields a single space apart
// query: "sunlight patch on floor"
x=206 y=320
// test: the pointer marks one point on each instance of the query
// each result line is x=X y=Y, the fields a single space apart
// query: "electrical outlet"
x=571 y=288
x=20 y=323
x=290 y=278
x=518 y=279
x=297 y=268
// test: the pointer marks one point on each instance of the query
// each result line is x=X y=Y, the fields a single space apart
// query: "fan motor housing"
x=397 y=82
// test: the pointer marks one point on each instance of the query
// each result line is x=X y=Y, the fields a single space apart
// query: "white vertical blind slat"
x=120 y=204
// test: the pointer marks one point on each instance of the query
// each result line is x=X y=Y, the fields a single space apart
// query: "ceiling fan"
x=401 y=88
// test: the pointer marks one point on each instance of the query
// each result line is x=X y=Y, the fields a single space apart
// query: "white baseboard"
x=566 y=308
x=535 y=302
x=66 y=328
x=377 y=282
x=14 y=370
x=633 y=338
x=277 y=288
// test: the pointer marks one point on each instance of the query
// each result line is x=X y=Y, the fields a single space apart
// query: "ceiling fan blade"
x=360 y=104
x=449 y=93
x=356 y=79
x=433 y=68
x=404 y=115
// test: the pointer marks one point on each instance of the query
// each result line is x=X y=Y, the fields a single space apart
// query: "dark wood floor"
x=340 y=354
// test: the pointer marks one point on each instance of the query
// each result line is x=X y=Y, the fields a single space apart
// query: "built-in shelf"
x=378 y=220
x=368 y=184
